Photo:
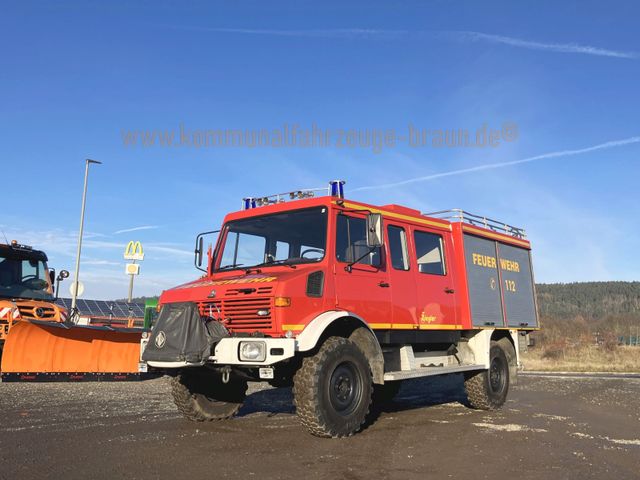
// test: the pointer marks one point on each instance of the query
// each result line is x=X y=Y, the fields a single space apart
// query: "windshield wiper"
x=229 y=267
x=275 y=262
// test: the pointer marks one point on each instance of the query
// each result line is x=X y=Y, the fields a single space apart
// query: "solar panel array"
x=102 y=308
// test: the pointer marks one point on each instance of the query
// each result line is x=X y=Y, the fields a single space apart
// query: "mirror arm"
x=349 y=266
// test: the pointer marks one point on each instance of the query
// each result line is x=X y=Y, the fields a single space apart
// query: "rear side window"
x=430 y=253
x=398 y=247
x=351 y=242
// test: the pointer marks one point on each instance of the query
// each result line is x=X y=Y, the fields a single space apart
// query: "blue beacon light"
x=337 y=188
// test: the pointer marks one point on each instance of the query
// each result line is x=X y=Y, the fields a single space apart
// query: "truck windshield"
x=298 y=236
x=22 y=277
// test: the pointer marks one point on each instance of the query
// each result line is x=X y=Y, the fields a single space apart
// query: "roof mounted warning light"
x=335 y=189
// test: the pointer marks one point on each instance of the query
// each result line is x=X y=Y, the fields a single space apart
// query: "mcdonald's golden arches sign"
x=134 y=251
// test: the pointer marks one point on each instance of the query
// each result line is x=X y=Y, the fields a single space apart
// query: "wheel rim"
x=345 y=388
x=497 y=376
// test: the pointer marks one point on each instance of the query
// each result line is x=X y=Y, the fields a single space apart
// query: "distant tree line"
x=584 y=313
x=136 y=299
x=591 y=300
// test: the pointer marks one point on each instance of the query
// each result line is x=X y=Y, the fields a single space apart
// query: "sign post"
x=133 y=252
x=76 y=280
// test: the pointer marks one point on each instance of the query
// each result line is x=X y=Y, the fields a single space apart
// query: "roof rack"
x=458 y=215
x=335 y=189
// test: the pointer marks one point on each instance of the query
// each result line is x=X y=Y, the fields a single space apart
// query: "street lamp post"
x=75 y=284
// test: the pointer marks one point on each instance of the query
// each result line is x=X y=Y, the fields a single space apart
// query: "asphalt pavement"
x=552 y=427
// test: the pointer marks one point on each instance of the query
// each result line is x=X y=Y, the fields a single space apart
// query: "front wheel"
x=201 y=395
x=487 y=389
x=332 y=389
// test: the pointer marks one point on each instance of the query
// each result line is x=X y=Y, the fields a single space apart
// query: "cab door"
x=362 y=287
x=436 y=297
x=401 y=276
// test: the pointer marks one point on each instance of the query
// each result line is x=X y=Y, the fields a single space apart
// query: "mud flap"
x=182 y=336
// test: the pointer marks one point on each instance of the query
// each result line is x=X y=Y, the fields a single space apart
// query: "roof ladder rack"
x=459 y=215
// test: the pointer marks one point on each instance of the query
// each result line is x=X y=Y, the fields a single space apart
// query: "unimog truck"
x=26 y=288
x=344 y=300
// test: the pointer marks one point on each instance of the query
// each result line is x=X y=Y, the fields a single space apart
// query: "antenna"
x=5 y=237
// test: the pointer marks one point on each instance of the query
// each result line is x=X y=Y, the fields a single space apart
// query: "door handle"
x=383 y=284
x=449 y=290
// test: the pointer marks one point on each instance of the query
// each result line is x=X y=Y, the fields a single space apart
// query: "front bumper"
x=227 y=352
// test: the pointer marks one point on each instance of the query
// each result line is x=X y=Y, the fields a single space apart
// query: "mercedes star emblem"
x=161 y=339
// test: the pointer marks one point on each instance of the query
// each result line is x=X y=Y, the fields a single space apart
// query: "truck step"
x=429 y=371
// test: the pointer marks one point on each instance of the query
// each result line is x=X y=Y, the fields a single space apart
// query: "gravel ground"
x=551 y=427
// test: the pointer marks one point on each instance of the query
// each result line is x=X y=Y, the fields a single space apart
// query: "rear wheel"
x=333 y=388
x=487 y=389
x=200 y=395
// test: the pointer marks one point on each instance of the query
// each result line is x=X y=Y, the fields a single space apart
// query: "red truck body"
x=336 y=297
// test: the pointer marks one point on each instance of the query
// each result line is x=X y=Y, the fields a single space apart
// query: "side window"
x=351 y=242
x=430 y=253
x=398 y=247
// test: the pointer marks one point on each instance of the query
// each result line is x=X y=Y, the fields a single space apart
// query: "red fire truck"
x=342 y=299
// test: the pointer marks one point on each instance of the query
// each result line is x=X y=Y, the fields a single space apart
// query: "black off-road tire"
x=201 y=396
x=488 y=389
x=332 y=389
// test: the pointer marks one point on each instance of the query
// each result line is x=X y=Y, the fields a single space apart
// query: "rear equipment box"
x=500 y=283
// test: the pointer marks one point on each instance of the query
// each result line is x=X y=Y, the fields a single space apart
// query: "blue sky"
x=77 y=76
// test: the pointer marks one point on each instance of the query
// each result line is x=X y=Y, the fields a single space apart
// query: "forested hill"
x=591 y=300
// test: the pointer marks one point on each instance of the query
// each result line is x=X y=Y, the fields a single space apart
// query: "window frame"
x=405 y=248
x=380 y=250
x=225 y=231
x=443 y=253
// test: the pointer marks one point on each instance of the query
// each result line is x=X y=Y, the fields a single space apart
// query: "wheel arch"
x=505 y=338
x=341 y=323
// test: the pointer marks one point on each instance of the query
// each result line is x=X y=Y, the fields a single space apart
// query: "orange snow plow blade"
x=36 y=350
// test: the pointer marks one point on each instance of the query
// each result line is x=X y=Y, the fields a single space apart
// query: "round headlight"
x=252 y=351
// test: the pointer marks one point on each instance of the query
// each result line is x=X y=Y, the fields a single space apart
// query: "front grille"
x=37 y=312
x=234 y=292
x=240 y=314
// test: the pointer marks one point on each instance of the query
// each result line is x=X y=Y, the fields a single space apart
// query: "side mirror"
x=374 y=230
x=61 y=276
x=199 y=251
x=52 y=276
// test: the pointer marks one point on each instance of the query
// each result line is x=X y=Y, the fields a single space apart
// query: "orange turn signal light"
x=282 y=301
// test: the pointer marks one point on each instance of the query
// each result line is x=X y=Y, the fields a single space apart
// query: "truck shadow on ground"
x=417 y=393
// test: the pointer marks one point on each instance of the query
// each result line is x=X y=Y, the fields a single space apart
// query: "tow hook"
x=226 y=373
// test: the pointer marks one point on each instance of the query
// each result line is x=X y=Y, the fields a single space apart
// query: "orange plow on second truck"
x=44 y=351
x=36 y=340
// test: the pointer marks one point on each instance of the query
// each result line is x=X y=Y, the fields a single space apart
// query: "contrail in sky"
x=551 y=47
x=317 y=33
x=369 y=33
x=136 y=229
x=491 y=166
